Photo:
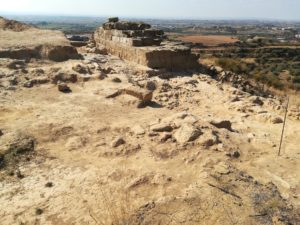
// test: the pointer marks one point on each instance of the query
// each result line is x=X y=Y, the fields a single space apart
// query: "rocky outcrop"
x=139 y=43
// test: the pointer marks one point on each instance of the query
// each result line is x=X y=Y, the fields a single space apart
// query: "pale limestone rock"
x=187 y=133
x=161 y=127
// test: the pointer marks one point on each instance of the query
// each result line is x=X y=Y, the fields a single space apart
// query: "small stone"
x=19 y=174
x=117 y=142
x=10 y=172
x=116 y=80
x=235 y=99
x=161 y=127
x=277 y=120
x=165 y=137
x=226 y=124
x=140 y=93
x=257 y=101
x=28 y=84
x=63 y=87
x=38 y=211
x=222 y=168
x=234 y=154
x=102 y=76
x=152 y=134
x=187 y=133
x=81 y=69
x=138 y=130
x=49 y=184
x=208 y=139
x=150 y=85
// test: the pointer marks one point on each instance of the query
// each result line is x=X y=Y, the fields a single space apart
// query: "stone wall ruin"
x=139 y=43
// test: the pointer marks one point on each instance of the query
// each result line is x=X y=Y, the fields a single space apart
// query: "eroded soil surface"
x=202 y=152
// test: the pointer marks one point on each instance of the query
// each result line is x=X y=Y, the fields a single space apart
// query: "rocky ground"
x=102 y=141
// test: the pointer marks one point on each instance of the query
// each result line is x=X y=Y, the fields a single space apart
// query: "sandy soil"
x=152 y=177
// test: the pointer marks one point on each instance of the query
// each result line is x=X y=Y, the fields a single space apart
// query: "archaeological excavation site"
x=132 y=129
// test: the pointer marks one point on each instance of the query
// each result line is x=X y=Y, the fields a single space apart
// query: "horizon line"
x=152 y=18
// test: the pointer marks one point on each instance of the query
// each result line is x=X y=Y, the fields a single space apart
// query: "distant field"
x=208 y=40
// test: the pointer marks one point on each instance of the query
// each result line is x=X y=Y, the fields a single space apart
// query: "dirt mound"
x=13 y=25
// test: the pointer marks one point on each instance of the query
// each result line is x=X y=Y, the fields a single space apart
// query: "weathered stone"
x=16 y=64
x=63 y=87
x=36 y=81
x=140 y=93
x=74 y=143
x=257 y=101
x=138 y=130
x=150 y=85
x=63 y=77
x=208 y=139
x=277 y=120
x=187 y=133
x=226 y=124
x=116 y=80
x=234 y=154
x=165 y=137
x=161 y=127
x=81 y=69
x=117 y=142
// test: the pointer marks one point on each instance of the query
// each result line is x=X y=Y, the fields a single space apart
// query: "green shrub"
x=296 y=80
x=234 y=65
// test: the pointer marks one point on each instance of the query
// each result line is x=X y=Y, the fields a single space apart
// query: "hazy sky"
x=218 y=9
